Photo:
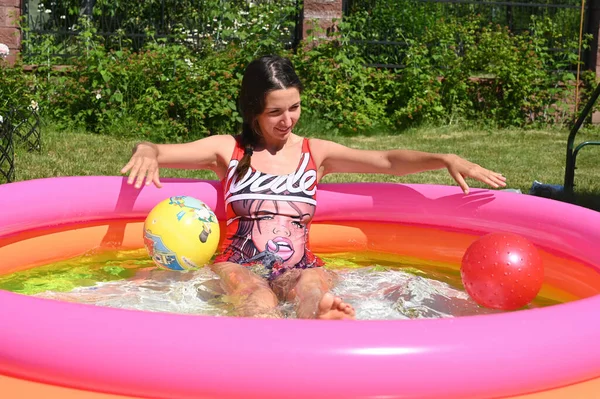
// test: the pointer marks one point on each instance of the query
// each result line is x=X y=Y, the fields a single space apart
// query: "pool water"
x=379 y=286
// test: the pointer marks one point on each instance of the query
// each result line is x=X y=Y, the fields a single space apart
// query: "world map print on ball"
x=181 y=233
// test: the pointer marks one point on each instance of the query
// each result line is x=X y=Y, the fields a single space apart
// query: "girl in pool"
x=269 y=177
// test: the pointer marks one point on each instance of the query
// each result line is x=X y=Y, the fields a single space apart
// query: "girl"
x=269 y=177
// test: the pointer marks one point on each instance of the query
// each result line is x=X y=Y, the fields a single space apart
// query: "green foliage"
x=165 y=91
x=461 y=61
x=162 y=93
x=183 y=84
x=510 y=73
x=202 y=26
x=339 y=89
x=460 y=68
x=17 y=89
x=433 y=84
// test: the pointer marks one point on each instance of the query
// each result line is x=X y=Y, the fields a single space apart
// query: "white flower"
x=98 y=96
x=63 y=17
x=188 y=62
x=48 y=11
x=34 y=106
x=1 y=119
x=4 y=50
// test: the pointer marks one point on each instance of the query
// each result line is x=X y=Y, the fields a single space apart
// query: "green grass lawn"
x=521 y=155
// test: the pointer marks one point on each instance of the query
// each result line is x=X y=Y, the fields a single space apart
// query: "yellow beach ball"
x=181 y=233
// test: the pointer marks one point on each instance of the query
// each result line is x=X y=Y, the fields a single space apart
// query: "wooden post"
x=319 y=16
x=10 y=34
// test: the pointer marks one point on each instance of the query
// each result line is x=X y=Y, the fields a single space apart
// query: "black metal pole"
x=570 y=166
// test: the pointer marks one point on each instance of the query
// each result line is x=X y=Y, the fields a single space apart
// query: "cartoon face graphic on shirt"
x=269 y=216
x=279 y=228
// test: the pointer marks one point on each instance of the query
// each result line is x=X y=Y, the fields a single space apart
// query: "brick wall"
x=320 y=13
x=10 y=11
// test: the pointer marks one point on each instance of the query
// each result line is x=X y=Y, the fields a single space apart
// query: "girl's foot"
x=333 y=308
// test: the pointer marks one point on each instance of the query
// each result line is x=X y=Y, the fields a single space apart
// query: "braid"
x=248 y=141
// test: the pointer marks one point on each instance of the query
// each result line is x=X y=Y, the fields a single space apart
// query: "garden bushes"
x=457 y=70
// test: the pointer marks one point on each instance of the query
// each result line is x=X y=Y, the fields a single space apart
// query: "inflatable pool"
x=54 y=349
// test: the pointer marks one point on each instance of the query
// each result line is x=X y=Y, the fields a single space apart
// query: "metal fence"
x=132 y=22
x=18 y=125
x=53 y=25
x=383 y=45
x=7 y=151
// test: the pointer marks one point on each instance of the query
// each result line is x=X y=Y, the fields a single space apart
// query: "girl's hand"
x=143 y=165
x=460 y=169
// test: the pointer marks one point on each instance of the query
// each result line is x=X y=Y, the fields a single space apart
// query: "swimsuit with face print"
x=269 y=216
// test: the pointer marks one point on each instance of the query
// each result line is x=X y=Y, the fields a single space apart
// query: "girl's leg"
x=250 y=294
x=309 y=289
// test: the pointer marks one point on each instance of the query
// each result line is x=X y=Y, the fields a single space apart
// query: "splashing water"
x=379 y=288
x=156 y=290
x=391 y=294
x=395 y=294
x=129 y=280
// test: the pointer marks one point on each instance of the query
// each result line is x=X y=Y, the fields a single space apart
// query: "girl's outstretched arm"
x=336 y=158
x=208 y=153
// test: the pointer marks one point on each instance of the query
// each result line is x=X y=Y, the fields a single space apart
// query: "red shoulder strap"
x=238 y=150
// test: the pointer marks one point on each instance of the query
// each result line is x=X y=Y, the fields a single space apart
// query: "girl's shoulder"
x=319 y=148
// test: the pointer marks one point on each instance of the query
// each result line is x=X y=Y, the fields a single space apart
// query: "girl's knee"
x=317 y=275
x=223 y=267
x=249 y=293
x=235 y=277
x=311 y=282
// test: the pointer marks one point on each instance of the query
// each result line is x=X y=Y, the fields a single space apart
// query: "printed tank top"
x=269 y=216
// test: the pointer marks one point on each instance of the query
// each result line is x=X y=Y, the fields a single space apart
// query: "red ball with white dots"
x=502 y=271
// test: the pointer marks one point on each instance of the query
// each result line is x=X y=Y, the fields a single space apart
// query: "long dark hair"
x=262 y=76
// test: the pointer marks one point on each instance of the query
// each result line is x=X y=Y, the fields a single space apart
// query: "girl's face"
x=281 y=229
x=282 y=110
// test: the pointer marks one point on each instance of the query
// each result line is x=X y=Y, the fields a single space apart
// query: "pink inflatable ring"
x=53 y=349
